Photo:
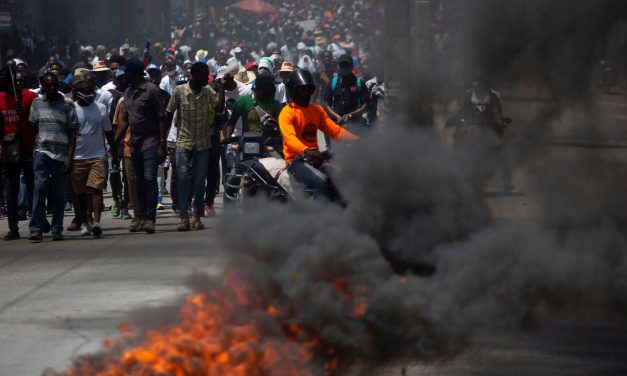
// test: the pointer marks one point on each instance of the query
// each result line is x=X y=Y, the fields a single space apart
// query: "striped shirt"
x=195 y=115
x=53 y=119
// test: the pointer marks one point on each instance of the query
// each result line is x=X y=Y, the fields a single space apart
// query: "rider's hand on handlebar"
x=313 y=157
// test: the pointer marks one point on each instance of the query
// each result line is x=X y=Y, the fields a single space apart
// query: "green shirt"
x=250 y=118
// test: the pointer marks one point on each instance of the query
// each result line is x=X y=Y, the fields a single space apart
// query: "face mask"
x=86 y=99
x=345 y=71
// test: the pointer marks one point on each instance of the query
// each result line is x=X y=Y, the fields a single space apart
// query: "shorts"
x=90 y=173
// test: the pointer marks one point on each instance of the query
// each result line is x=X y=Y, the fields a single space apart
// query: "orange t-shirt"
x=300 y=125
x=118 y=119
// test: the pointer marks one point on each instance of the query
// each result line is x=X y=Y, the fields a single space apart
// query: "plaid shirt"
x=195 y=115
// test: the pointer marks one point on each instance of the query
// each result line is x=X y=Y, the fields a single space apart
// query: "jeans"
x=25 y=197
x=213 y=173
x=173 y=177
x=13 y=173
x=191 y=164
x=315 y=180
x=145 y=166
x=49 y=176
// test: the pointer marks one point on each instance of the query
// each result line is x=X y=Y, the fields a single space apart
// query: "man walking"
x=196 y=105
x=17 y=143
x=144 y=114
x=54 y=119
x=88 y=163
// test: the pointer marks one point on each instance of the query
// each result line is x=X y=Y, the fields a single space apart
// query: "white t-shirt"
x=93 y=121
x=106 y=98
x=280 y=95
x=244 y=89
x=168 y=84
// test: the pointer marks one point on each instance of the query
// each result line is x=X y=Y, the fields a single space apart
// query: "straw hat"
x=287 y=67
x=101 y=67
x=244 y=76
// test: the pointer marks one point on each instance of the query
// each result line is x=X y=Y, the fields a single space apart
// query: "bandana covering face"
x=481 y=102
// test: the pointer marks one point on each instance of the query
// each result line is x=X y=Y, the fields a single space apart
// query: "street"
x=61 y=299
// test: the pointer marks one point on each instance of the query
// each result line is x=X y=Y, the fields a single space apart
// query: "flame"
x=229 y=331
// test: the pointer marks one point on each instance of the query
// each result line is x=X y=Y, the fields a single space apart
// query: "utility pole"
x=408 y=60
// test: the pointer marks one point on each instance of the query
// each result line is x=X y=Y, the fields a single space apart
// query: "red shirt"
x=12 y=121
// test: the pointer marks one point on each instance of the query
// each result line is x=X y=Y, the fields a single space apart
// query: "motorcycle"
x=267 y=176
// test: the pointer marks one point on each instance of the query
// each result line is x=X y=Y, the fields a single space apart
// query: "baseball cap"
x=266 y=62
x=152 y=67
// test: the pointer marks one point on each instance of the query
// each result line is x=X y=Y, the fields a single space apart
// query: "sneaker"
x=12 y=235
x=68 y=206
x=57 y=236
x=124 y=214
x=115 y=210
x=149 y=227
x=197 y=223
x=86 y=229
x=159 y=204
x=96 y=231
x=183 y=225
x=73 y=227
x=36 y=237
x=136 y=225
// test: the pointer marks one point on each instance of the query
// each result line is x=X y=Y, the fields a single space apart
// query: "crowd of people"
x=120 y=118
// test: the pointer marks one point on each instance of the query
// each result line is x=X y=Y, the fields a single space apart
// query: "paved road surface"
x=60 y=299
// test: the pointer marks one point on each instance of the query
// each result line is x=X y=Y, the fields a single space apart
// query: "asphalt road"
x=61 y=299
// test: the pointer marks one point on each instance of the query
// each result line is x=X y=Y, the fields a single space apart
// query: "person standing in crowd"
x=328 y=71
x=54 y=119
x=145 y=115
x=123 y=143
x=18 y=140
x=110 y=98
x=88 y=163
x=286 y=69
x=169 y=81
x=196 y=105
x=346 y=98
x=154 y=76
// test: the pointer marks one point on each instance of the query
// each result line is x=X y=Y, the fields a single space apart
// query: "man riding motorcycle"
x=299 y=123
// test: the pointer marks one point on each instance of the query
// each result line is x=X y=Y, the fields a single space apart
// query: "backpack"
x=116 y=95
x=334 y=82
